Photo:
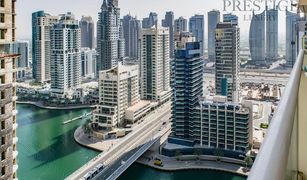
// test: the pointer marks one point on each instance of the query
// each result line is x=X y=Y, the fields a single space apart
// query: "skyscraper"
x=150 y=21
x=22 y=48
x=88 y=62
x=65 y=54
x=181 y=25
x=87 y=32
x=41 y=25
x=196 y=26
x=230 y=18
x=109 y=42
x=213 y=20
x=155 y=64
x=125 y=103
x=8 y=111
x=169 y=22
x=132 y=30
x=271 y=34
x=187 y=85
x=291 y=41
x=257 y=39
x=227 y=66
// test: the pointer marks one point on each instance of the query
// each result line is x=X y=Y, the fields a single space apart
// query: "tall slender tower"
x=227 y=66
x=291 y=42
x=257 y=39
x=132 y=30
x=196 y=26
x=181 y=25
x=41 y=25
x=8 y=67
x=169 y=22
x=271 y=34
x=65 y=54
x=187 y=85
x=109 y=41
x=87 y=32
x=213 y=19
x=150 y=21
x=155 y=64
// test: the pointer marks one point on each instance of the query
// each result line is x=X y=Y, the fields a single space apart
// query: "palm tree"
x=218 y=153
x=198 y=152
x=87 y=129
x=178 y=154
x=248 y=161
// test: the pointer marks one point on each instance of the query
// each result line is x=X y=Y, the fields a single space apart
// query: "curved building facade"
x=257 y=39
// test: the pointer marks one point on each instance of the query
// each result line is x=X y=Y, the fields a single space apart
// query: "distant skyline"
x=139 y=8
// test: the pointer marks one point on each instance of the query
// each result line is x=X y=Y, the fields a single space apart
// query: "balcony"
x=283 y=154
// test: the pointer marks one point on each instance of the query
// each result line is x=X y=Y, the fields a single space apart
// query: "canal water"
x=47 y=150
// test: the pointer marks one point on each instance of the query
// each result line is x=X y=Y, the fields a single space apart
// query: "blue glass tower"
x=187 y=87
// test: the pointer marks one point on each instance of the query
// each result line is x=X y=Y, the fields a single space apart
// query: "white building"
x=65 y=54
x=88 y=63
x=155 y=64
x=118 y=94
x=41 y=26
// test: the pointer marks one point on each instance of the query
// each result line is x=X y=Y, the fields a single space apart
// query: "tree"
x=178 y=154
x=87 y=129
x=248 y=161
x=198 y=152
x=218 y=153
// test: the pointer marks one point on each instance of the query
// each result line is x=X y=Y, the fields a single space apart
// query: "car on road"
x=87 y=176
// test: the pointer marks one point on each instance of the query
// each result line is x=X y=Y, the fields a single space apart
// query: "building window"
x=3 y=170
x=3 y=156
x=2 y=3
x=2 y=125
x=2 y=17
x=2 y=63
x=3 y=110
x=3 y=94
x=2 y=33
x=2 y=79
x=2 y=140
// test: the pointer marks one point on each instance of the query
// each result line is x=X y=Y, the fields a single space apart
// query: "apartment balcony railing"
x=282 y=154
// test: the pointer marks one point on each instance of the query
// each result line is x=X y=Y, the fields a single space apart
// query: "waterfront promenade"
x=40 y=105
x=202 y=162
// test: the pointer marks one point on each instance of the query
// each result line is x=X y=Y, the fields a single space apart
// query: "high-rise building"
x=119 y=99
x=155 y=64
x=196 y=26
x=169 y=22
x=213 y=20
x=257 y=39
x=227 y=66
x=41 y=25
x=88 y=62
x=110 y=44
x=87 y=32
x=271 y=34
x=291 y=41
x=181 y=25
x=132 y=30
x=230 y=18
x=8 y=111
x=65 y=54
x=187 y=84
x=22 y=48
x=226 y=125
x=150 y=21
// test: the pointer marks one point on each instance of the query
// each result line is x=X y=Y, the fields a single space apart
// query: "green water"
x=140 y=172
x=46 y=148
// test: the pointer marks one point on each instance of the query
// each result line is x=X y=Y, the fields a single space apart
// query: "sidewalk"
x=172 y=164
x=93 y=142
x=40 y=105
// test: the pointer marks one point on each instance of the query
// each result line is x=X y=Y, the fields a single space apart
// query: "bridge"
x=151 y=132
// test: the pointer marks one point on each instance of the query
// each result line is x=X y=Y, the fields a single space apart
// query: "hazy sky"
x=140 y=8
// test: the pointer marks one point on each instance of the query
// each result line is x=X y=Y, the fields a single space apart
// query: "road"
x=112 y=158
